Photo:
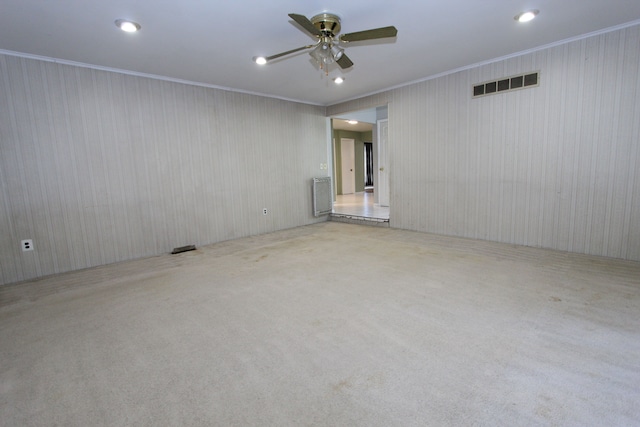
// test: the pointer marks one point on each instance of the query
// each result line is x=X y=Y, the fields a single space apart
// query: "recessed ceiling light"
x=260 y=60
x=526 y=16
x=128 y=26
x=352 y=122
x=338 y=80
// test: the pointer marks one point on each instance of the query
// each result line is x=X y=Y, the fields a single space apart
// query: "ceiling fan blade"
x=278 y=55
x=304 y=22
x=344 y=61
x=377 y=33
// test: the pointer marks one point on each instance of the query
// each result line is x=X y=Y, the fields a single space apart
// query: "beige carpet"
x=327 y=325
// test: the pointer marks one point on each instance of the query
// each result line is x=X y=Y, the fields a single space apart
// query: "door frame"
x=382 y=127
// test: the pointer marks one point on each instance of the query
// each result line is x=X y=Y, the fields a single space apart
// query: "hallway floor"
x=360 y=204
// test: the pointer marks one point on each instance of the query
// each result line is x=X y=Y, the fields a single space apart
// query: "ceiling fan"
x=327 y=50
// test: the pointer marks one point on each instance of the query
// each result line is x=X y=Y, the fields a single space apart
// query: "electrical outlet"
x=26 y=245
x=264 y=211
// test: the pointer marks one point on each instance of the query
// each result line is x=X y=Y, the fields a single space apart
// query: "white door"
x=348 y=157
x=383 y=162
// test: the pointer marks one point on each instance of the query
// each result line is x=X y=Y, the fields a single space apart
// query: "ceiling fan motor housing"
x=327 y=23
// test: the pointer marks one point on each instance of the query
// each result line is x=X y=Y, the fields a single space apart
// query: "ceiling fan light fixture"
x=260 y=60
x=315 y=54
x=323 y=55
x=127 y=26
x=337 y=53
x=526 y=16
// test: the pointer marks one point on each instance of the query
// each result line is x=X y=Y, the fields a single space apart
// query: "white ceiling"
x=365 y=119
x=213 y=42
x=342 y=124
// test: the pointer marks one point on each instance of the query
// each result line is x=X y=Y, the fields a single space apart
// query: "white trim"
x=424 y=79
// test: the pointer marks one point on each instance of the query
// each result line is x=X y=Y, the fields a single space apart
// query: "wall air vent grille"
x=507 y=84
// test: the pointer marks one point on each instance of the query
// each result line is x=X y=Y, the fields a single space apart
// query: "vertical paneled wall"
x=555 y=166
x=99 y=167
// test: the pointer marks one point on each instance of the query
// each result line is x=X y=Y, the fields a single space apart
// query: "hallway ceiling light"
x=128 y=26
x=352 y=122
x=338 y=80
x=526 y=16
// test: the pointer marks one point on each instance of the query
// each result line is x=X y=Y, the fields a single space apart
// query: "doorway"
x=361 y=127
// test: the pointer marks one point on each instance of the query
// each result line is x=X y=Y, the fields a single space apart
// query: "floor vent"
x=506 y=84
x=322 y=198
x=183 y=249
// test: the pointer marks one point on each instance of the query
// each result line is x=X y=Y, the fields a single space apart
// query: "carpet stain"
x=376 y=380
x=360 y=382
x=346 y=383
x=554 y=299
x=548 y=408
